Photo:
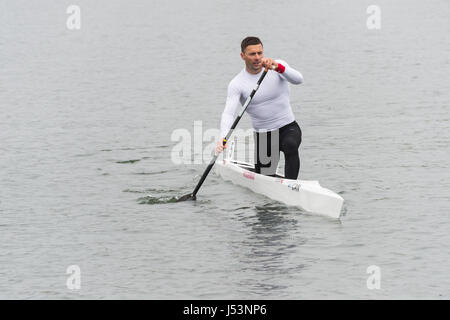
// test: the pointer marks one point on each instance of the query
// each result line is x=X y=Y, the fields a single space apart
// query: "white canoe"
x=308 y=195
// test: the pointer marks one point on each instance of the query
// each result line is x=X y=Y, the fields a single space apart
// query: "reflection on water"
x=272 y=240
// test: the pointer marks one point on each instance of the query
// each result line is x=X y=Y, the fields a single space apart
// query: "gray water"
x=86 y=176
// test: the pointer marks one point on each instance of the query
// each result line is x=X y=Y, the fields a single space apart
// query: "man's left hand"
x=269 y=63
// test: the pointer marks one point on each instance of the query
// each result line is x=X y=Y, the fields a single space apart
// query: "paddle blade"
x=187 y=197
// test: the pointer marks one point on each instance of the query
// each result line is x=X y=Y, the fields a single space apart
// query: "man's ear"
x=242 y=56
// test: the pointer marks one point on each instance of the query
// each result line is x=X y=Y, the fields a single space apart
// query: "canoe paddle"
x=192 y=196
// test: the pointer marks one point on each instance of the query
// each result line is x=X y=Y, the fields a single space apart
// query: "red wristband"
x=281 y=68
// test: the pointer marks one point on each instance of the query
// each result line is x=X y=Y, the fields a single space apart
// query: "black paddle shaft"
x=244 y=107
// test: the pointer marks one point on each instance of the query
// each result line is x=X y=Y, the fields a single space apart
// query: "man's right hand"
x=220 y=146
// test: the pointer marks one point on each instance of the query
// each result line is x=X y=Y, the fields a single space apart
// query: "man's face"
x=253 y=57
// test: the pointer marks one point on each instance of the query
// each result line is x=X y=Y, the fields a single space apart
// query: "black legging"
x=289 y=140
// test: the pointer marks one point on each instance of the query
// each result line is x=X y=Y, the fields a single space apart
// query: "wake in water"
x=156 y=200
x=156 y=196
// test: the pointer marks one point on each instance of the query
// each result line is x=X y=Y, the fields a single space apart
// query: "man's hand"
x=269 y=64
x=220 y=146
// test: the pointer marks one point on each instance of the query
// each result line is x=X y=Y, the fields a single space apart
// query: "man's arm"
x=288 y=73
x=229 y=113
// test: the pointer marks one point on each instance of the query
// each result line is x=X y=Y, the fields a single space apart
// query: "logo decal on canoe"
x=294 y=186
x=249 y=175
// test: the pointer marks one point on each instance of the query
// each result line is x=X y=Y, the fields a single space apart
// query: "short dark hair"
x=249 y=41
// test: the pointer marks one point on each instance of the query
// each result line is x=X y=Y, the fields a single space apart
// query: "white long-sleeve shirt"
x=270 y=108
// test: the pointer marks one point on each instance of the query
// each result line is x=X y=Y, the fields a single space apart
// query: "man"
x=270 y=110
